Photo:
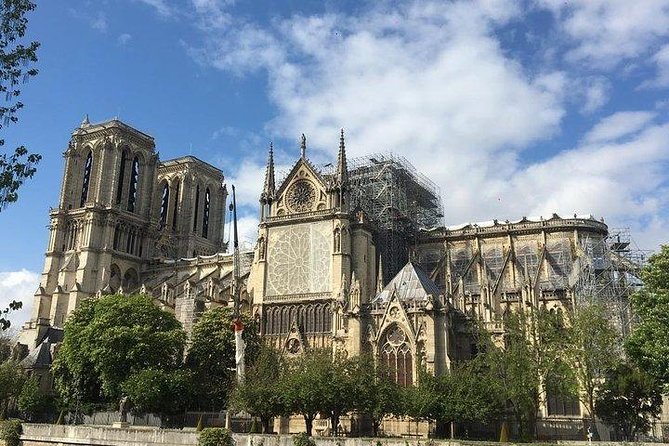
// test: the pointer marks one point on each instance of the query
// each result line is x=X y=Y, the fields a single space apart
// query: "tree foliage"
x=529 y=365
x=16 y=60
x=376 y=393
x=261 y=393
x=109 y=339
x=33 y=401
x=14 y=305
x=212 y=354
x=628 y=400
x=163 y=392
x=593 y=349
x=648 y=345
x=304 y=384
x=12 y=379
x=215 y=436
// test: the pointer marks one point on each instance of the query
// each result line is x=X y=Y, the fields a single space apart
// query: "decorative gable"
x=303 y=191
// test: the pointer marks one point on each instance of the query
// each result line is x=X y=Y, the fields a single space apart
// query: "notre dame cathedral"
x=353 y=255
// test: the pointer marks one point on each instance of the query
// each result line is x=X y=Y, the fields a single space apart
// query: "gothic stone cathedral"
x=351 y=256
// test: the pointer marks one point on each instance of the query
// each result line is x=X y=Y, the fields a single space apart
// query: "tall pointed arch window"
x=87 y=178
x=205 y=214
x=397 y=357
x=164 y=204
x=197 y=207
x=134 y=182
x=121 y=176
x=175 y=205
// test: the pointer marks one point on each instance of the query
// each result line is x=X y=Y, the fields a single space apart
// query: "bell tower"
x=101 y=233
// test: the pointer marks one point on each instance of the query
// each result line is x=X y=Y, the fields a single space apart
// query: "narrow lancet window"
x=205 y=218
x=164 y=204
x=197 y=208
x=134 y=181
x=121 y=176
x=87 y=179
x=176 y=206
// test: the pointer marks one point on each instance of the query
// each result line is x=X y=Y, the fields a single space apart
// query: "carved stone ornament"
x=301 y=196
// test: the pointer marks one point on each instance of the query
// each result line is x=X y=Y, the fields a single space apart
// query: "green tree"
x=338 y=395
x=261 y=393
x=12 y=379
x=628 y=400
x=109 y=339
x=376 y=393
x=303 y=385
x=648 y=344
x=530 y=365
x=462 y=394
x=162 y=392
x=16 y=60
x=33 y=401
x=593 y=348
x=211 y=356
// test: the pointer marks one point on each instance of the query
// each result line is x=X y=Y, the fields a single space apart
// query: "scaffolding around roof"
x=608 y=272
x=398 y=199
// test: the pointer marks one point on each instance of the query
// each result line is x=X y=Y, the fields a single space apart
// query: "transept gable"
x=303 y=190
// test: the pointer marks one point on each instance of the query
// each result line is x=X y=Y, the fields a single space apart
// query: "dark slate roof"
x=53 y=335
x=39 y=357
x=411 y=283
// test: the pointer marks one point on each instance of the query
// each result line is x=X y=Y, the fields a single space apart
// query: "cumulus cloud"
x=431 y=81
x=618 y=125
x=20 y=286
x=661 y=61
x=606 y=32
x=596 y=94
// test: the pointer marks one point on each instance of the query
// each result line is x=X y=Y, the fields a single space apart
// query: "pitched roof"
x=410 y=283
x=39 y=357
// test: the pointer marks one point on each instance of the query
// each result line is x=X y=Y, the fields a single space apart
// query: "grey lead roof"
x=411 y=283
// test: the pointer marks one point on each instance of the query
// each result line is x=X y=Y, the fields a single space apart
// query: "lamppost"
x=237 y=325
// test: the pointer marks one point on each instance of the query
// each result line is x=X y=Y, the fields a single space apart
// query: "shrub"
x=215 y=436
x=10 y=432
x=302 y=439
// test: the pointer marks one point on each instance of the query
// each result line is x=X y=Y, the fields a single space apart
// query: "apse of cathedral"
x=352 y=256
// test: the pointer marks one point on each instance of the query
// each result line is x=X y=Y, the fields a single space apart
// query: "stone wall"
x=52 y=434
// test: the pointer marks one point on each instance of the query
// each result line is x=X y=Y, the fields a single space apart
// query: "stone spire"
x=303 y=146
x=379 y=278
x=85 y=122
x=342 y=169
x=269 y=188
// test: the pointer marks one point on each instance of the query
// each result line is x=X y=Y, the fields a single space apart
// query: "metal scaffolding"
x=398 y=199
x=609 y=271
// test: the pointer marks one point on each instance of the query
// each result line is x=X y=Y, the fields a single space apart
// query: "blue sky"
x=513 y=108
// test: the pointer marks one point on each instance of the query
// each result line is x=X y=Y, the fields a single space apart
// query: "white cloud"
x=618 y=125
x=431 y=81
x=97 y=21
x=596 y=94
x=212 y=13
x=19 y=286
x=247 y=230
x=605 y=32
x=162 y=7
x=661 y=61
x=124 y=39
